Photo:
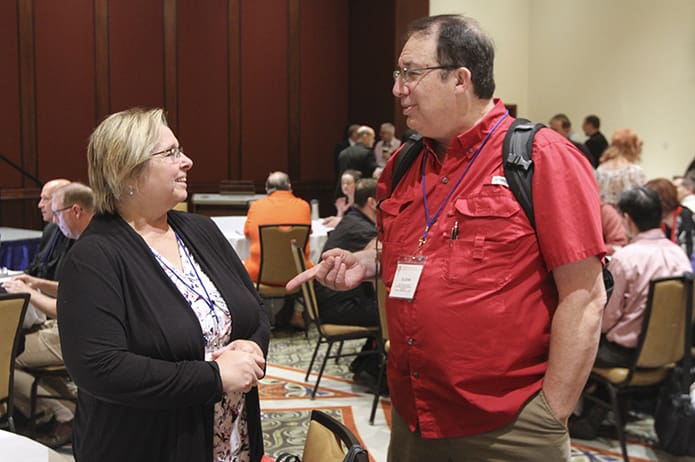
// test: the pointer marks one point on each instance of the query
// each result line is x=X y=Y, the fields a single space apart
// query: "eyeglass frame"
x=57 y=212
x=402 y=73
x=174 y=154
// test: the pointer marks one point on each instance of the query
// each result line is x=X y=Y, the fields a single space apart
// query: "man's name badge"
x=407 y=277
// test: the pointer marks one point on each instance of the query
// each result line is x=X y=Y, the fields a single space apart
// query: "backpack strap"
x=405 y=159
x=518 y=165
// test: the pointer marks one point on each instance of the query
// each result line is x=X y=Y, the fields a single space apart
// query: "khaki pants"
x=42 y=348
x=533 y=436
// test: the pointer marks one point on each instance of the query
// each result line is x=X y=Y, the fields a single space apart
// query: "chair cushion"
x=334 y=330
x=641 y=377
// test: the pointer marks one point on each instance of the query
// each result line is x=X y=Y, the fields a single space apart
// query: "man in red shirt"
x=493 y=326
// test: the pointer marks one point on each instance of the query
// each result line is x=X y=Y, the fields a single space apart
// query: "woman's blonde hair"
x=118 y=150
x=626 y=143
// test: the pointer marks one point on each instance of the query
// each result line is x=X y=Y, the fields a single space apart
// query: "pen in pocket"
x=454 y=233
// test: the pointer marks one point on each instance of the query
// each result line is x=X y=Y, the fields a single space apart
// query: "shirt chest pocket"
x=489 y=231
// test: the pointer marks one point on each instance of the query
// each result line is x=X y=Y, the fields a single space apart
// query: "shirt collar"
x=468 y=141
x=650 y=234
x=355 y=211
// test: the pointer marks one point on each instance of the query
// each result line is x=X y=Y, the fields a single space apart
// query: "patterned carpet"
x=286 y=405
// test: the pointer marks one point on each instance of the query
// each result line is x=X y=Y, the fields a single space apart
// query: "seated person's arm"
x=39 y=300
x=46 y=286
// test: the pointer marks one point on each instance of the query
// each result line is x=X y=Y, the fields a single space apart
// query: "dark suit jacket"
x=48 y=260
x=357 y=157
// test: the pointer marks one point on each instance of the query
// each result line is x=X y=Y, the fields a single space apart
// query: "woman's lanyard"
x=429 y=221
x=674 y=225
x=206 y=298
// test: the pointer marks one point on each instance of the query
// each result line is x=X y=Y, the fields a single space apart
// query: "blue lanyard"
x=207 y=299
x=429 y=221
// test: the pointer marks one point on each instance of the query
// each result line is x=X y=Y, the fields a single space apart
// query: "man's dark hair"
x=364 y=189
x=564 y=120
x=593 y=120
x=461 y=43
x=643 y=205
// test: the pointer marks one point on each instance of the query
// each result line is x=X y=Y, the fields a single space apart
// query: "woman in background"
x=618 y=170
x=348 y=182
x=160 y=325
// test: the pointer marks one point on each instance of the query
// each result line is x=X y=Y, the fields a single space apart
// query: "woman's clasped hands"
x=241 y=365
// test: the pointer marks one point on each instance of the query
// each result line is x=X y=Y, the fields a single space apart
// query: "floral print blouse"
x=613 y=182
x=230 y=434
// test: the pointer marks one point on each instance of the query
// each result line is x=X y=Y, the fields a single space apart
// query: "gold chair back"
x=381 y=303
x=12 y=310
x=308 y=293
x=276 y=266
x=663 y=335
x=327 y=440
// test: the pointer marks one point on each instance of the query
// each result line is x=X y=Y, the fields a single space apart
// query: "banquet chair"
x=327 y=333
x=383 y=343
x=276 y=267
x=12 y=310
x=328 y=440
x=237 y=187
x=662 y=342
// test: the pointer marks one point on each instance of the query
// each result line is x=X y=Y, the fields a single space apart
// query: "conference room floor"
x=286 y=405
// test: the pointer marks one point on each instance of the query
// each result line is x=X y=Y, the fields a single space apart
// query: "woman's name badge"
x=407 y=277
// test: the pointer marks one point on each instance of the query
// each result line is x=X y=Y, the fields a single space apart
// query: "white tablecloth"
x=18 y=234
x=17 y=448
x=233 y=230
x=225 y=199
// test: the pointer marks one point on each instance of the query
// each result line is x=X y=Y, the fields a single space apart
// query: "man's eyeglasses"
x=173 y=154
x=411 y=75
x=56 y=212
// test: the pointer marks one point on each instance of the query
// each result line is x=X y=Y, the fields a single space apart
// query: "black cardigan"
x=135 y=348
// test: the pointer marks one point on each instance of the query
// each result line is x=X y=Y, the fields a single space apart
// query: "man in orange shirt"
x=280 y=207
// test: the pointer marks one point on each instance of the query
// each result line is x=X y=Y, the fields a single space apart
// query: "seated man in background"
x=358 y=306
x=72 y=207
x=53 y=247
x=281 y=207
x=649 y=255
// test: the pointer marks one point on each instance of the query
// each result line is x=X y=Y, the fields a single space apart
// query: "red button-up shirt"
x=472 y=346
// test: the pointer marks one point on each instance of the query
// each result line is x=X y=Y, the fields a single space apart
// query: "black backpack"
x=517 y=151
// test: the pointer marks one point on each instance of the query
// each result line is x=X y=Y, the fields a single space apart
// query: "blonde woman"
x=160 y=325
